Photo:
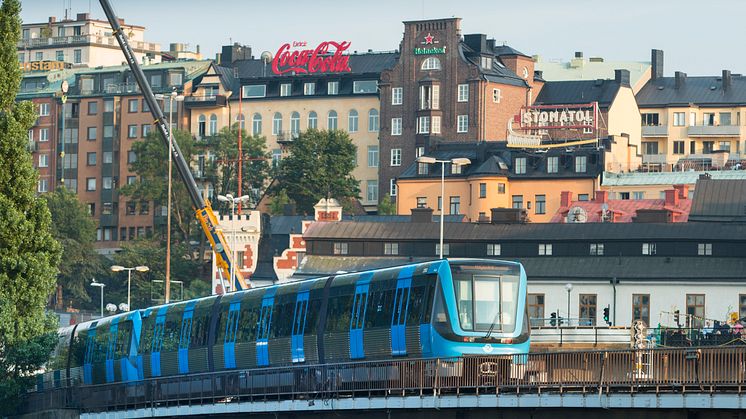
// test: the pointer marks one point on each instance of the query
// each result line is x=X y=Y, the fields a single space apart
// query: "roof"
x=591 y=70
x=558 y=232
x=498 y=73
x=666 y=178
x=507 y=50
x=719 y=200
x=578 y=92
x=625 y=209
x=367 y=63
x=292 y=224
x=312 y=265
x=700 y=91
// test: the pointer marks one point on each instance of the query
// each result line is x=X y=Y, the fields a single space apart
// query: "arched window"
x=331 y=120
x=352 y=121
x=256 y=124
x=202 y=126
x=373 y=120
x=241 y=121
x=213 y=125
x=277 y=124
x=431 y=63
x=313 y=120
x=295 y=124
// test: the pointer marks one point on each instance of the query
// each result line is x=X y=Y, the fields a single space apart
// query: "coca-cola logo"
x=319 y=60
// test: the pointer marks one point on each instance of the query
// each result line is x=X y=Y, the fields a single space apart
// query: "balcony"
x=205 y=101
x=655 y=158
x=284 y=137
x=84 y=40
x=655 y=130
x=714 y=131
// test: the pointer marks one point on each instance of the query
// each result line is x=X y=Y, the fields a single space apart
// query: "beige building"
x=652 y=185
x=83 y=42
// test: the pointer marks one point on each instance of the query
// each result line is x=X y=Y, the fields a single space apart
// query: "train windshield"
x=486 y=297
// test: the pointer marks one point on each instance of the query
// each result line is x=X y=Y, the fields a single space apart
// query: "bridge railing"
x=703 y=370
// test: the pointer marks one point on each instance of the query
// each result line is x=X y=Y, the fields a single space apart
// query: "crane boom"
x=203 y=210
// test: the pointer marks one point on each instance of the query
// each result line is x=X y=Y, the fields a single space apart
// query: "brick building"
x=445 y=86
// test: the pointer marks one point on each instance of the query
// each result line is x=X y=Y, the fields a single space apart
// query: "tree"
x=28 y=252
x=320 y=165
x=278 y=202
x=75 y=229
x=386 y=206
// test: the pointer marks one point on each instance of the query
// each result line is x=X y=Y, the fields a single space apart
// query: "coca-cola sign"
x=319 y=60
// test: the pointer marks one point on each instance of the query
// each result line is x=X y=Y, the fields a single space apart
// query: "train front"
x=480 y=309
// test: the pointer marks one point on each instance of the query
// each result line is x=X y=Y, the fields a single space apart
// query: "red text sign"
x=317 y=60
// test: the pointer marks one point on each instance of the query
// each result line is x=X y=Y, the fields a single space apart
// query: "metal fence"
x=703 y=370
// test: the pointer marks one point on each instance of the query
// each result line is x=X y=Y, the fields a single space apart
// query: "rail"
x=703 y=370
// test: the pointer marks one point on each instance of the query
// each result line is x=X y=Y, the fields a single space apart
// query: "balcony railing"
x=714 y=131
x=83 y=39
x=655 y=158
x=654 y=130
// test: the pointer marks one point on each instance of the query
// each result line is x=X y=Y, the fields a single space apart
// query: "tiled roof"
x=719 y=200
x=695 y=90
x=578 y=92
x=666 y=178
x=625 y=209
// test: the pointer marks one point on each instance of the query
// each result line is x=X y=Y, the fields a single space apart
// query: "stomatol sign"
x=327 y=57
x=559 y=116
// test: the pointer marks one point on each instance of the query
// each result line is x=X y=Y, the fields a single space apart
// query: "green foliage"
x=278 y=202
x=10 y=34
x=386 y=206
x=320 y=165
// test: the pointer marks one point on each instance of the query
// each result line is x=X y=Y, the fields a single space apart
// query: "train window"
x=247 y=321
x=338 y=318
x=199 y=329
x=282 y=317
x=380 y=303
x=78 y=348
x=417 y=304
x=124 y=335
x=101 y=343
x=485 y=298
x=185 y=333
x=312 y=315
x=146 y=337
x=171 y=331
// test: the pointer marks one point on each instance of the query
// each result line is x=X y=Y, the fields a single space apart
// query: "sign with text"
x=581 y=116
x=318 y=60
x=42 y=66
x=430 y=46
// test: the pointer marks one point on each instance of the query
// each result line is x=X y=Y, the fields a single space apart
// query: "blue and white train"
x=441 y=308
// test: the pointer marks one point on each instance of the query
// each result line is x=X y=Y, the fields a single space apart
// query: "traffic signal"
x=606 y=315
x=553 y=319
x=677 y=318
x=559 y=320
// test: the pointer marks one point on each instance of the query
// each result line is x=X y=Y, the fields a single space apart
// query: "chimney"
x=490 y=44
x=197 y=48
x=83 y=16
x=656 y=59
x=672 y=197
x=508 y=215
x=680 y=79
x=683 y=191
x=622 y=77
x=726 y=80
x=565 y=198
x=601 y=197
x=52 y=19
x=578 y=54
x=477 y=42
x=422 y=215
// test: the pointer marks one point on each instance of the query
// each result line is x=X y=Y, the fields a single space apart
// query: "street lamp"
x=117 y=268
x=233 y=201
x=100 y=285
x=173 y=96
x=568 y=287
x=458 y=161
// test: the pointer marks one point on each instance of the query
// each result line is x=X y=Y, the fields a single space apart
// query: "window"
x=463 y=93
x=332 y=88
x=91 y=207
x=695 y=309
x=340 y=248
x=396 y=157
x=331 y=120
x=423 y=125
x=678 y=147
x=131 y=180
x=132 y=131
x=455 y=205
x=60 y=55
x=42 y=186
x=704 y=249
x=43 y=160
x=92 y=108
x=91 y=158
x=213 y=129
x=545 y=249
x=132 y=105
x=650 y=119
x=552 y=164
x=309 y=89
x=725 y=118
x=146 y=130
x=109 y=105
x=517 y=201
x=580 y=164
x=456 y=169
x=256 y=90
x=430 y=63
x=294 y=124
x=535 y=306
x=39 y=56
x=496 y=95
x=446 y=249
x=77 y=56
x=597 y=249
x=21 y=57
x=155 y=80
x=43 y=135
x=313 y=120
x=256 y=124
x=483 y=190
x=106 y=182
x=277 y=124
x=440 y=203
x=131 y=208
x=724 y=146
x=708 y=118
x=372 y=190
x=364 y=86
x=396 y=126
x=391 y=249
x=352 y=121
x=540 y=204
x=435 y=129
x=462 y=122
x=276 y=156
x=486 y=62
x=43 y=109
x=107 y=157
x=396 y=95
x=373 y=120
x=145 y=106
x=648 y=249
x=131 y=156
x=520 y=165
x=741 y=306
x=587 y=310
x=708 y=146
x=90 y=184
x=372 y=156
x=493 y=249
x=26 y=33
x=286 y=89
x=430 y=97
x=393 y=187
x=145 y=209
x=679 y=119
x=624 y=195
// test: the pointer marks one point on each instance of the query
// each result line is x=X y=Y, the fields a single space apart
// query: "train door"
x=262 y=334
x=299 y=327
x=90 y=350
x=231 y=328
x=185 y=337
x=155 y=352
x=357 y=319
x=399 y=315
x=111 y=350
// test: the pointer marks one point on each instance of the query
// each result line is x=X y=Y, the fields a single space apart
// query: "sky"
x=698 y=38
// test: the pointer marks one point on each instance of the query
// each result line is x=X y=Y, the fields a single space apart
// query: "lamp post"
x=233 y=201
x=117 y=268
x=63 y=97
x=178 y=98
x=568 y=287
x=100 y=285
x=458 y=161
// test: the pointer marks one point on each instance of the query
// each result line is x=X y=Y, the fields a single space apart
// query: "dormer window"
x=431 y=63
x=487 y=62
